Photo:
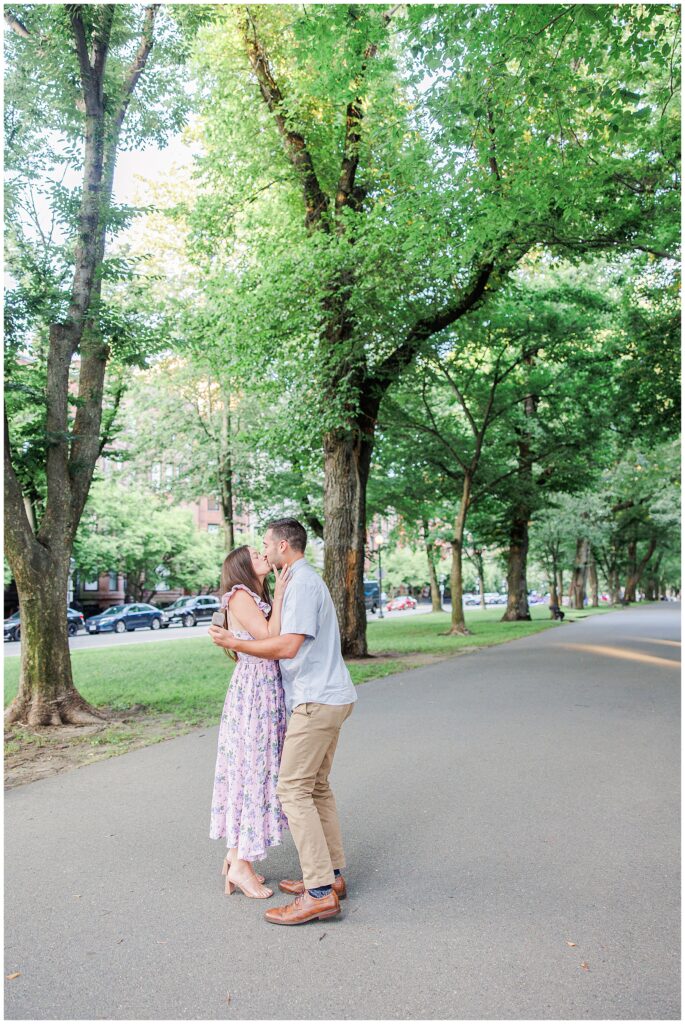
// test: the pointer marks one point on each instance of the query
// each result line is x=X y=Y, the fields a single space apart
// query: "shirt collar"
x=296 y=566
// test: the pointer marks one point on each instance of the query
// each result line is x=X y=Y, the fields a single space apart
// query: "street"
x=84 y=641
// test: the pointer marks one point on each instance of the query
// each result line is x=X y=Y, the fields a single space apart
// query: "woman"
x=245 y=808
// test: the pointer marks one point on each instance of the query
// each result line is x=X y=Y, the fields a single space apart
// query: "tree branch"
x=18 y=532
x=101 y=49
x=487 y=487
x=353 y=119
x=110 y=418
x=137 y=66
x=316 y=201
x=17 y=26
x=492 y=159
x=89 y=84
x=85 y=447
x=424 y=328
x=350 y=160
x=308 y=514
x=448 y=472
x=436 y=433
x=460 y=397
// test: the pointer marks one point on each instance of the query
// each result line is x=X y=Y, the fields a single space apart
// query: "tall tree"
x=74 y=74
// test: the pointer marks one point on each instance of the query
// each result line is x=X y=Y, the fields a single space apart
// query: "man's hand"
x=222 y=638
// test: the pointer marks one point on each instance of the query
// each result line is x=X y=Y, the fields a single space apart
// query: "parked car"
x=471 y=599
x=190 y=610
x=124 y=618
x=401 y=604
x=75 y=621
x=371 y=595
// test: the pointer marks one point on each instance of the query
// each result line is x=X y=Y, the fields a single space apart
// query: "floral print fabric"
x=245 y=808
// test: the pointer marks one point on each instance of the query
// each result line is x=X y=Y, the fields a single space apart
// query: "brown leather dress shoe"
x=296 y=887
x=305 y=908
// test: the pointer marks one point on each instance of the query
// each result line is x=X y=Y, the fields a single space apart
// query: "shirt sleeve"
x=300 y=611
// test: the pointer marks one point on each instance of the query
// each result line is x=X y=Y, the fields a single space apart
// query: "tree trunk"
x=614 y=586
x=46 y=692
x=346 y=469
x=436 y=603
x=226 y=473
x=637 y=571
x=631 y=569
x=481 y=580
x=517 y=572
x=652 y=587
x=47 y=695
x=517 y=567
x=592 y=575
x=458 y=624
x=553 y=592
x=135 y=586
x=577 y=586
x=560 y=586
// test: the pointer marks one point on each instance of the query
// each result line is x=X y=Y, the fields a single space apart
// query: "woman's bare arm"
x=246 y=616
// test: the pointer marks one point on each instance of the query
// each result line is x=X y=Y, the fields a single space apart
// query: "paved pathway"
x=496 y=808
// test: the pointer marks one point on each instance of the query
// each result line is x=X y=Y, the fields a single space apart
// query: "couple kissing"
x=271 y=777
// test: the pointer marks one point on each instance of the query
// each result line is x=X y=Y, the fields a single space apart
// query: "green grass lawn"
x=188 y=678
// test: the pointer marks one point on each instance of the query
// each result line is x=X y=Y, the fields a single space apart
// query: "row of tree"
x=387 y=239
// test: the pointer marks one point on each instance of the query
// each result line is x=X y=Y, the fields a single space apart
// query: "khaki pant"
x=304 y=792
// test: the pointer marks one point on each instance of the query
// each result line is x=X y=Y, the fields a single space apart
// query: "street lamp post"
x=379 y=545
x=442 y=591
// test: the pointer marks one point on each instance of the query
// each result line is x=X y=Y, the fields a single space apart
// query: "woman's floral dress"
x=245 y=808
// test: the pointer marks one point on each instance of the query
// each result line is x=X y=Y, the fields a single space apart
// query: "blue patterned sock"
x=320 y=892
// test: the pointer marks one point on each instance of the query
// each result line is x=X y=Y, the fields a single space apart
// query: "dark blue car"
x=124 y=618
x=13 y=625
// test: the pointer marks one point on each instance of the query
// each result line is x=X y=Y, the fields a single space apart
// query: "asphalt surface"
x=497 y=808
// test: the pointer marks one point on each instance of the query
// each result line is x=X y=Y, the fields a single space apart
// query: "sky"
x=136 y=168
x=135 y=172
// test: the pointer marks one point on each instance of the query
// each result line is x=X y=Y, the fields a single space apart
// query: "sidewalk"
x=496 y=808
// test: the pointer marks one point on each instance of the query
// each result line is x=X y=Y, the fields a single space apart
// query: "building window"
x=113 y=581
x=156 y=474
x=213 y=528
x=169 y=472
x=213 y=504
x=91 y=585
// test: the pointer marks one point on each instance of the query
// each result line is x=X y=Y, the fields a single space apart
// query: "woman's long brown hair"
x=237 y=568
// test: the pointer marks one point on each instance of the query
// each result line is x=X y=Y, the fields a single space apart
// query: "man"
x=320 y=695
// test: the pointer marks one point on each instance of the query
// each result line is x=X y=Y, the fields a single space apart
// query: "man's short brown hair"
x=290 y=530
